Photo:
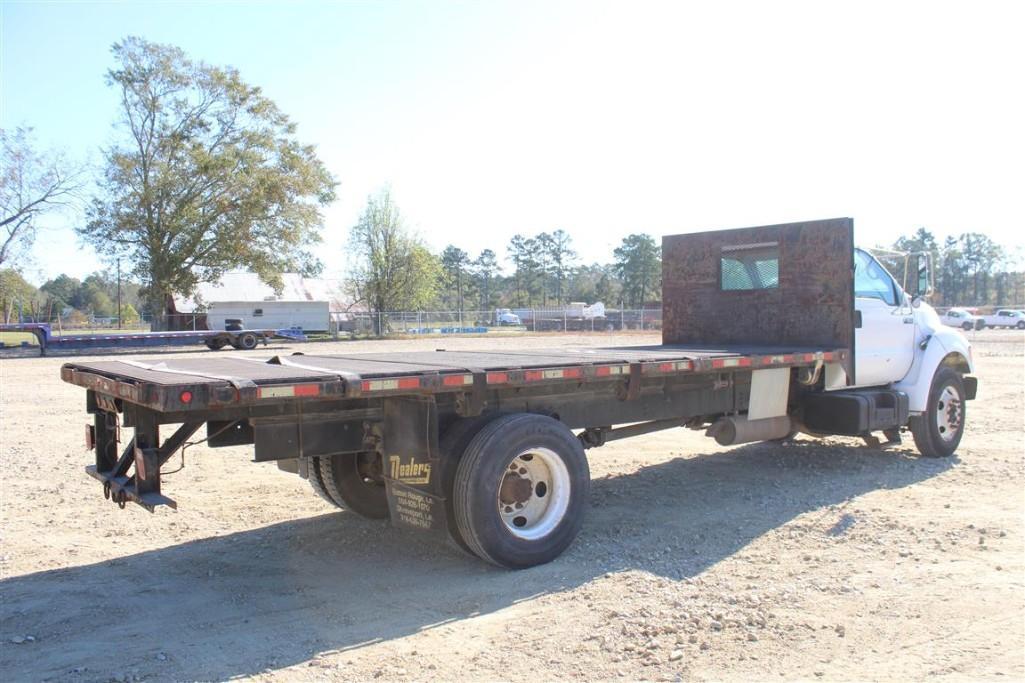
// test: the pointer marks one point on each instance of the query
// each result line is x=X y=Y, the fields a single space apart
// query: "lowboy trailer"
x=487 y=448
x=215 y=340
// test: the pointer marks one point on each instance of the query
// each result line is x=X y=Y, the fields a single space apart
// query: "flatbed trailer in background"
x=213 y=339
x=487 y=448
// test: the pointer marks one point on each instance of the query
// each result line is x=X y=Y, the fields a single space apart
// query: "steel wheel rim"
x=949 y=413
x=533 y=494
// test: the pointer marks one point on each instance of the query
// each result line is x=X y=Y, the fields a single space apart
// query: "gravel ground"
x=816 y=560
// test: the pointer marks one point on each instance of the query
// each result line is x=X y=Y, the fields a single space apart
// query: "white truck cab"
x=901 y=344
x=504 y=316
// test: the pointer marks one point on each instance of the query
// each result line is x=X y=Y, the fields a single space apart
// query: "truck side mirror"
x=919 y=276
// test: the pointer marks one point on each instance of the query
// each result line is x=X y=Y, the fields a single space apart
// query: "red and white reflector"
x=457 y=380
x=610 y=370
x=290 y=391
x=390 y=384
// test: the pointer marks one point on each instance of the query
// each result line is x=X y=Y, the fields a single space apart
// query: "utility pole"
x=119 y=293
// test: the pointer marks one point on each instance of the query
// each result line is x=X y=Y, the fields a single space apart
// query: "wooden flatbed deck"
x=240 y=380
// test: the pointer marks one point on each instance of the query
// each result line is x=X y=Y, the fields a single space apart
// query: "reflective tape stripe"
x=379 y=384
x=457 y=380
x=290 y=391
x=606 y=370
x=498 y=377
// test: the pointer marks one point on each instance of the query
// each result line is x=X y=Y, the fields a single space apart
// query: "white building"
x=303 y=302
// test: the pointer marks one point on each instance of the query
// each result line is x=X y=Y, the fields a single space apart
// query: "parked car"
x=959 y=317
x=1005 y=317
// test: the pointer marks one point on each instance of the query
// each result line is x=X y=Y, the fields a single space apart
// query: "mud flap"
x=412 y=465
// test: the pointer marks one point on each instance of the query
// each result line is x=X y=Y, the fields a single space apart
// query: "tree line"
x=392 y=269
x=70 y=300
x=970 y=269
x=205 y=174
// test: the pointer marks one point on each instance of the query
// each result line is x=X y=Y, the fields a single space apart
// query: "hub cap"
x=534 y=493
x=949 y=414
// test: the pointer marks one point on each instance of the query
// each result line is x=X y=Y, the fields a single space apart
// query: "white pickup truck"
x=959 y=317
x=1005 y=317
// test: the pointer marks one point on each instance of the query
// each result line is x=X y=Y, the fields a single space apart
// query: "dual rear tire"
x=349 y=481
x=516 y=487
x=520 y=491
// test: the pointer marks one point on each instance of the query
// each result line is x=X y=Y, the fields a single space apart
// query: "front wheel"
x=1021 y=325
x=520 y=491
x=938 y=430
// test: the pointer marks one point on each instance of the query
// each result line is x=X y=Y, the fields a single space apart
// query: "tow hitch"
x=135 y=474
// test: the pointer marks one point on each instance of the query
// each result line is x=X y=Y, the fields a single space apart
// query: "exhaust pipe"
x=730 y=431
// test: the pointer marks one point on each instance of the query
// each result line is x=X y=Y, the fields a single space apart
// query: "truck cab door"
x=884 y=345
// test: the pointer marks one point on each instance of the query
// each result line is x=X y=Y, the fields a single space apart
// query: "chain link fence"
x=490 y=322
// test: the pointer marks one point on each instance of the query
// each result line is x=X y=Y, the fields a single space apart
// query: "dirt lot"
x=815 y=560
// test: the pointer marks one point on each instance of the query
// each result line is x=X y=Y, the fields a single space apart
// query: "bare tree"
x=31 y=184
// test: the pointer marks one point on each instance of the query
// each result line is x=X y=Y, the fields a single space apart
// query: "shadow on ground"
x=272 y=597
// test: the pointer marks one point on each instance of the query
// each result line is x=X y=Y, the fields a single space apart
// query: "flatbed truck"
x=767 y=332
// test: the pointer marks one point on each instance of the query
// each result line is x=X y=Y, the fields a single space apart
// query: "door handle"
x=909 y=320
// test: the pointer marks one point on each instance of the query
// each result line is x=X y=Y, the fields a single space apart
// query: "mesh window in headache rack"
x=749 y=266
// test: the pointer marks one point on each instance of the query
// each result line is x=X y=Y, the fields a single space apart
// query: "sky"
x=488 y=119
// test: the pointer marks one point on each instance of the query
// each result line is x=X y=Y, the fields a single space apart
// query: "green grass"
x=16 y=338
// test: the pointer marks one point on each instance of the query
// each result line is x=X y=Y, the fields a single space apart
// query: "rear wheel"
x=520 y=491
x=353 y=481
x=966 y=325
x=317 y=483
x=456 y=438
x=938 y=430
x=247 y=341
x=216 y=344
x=1021 y=325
